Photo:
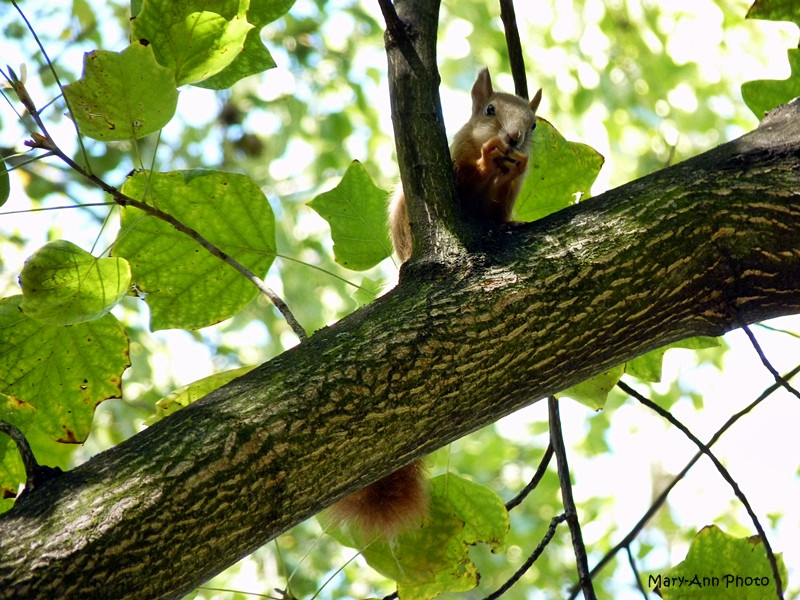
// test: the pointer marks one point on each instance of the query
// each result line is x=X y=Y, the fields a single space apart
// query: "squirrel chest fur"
x=490 y=159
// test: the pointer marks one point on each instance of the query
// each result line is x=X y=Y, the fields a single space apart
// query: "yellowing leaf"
x=63 y=372
x=187 y=394
x=63 y=284
x=594 y=391
x=123 y=95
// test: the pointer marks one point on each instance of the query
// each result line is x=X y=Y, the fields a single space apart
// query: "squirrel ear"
x=537 y=98
x=481 y=91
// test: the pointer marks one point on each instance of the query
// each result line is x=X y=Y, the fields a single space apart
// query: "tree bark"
x=696 y=249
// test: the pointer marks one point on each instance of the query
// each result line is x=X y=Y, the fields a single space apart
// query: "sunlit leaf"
x=63 y=284
x=368 y=290
x=254 y=58
x=356 y=212
x=197 y=39
x=61 y=371
x=719 y=565
x=434 y=559
x=184 y=285
x=594 y=391
x=187 y=394
x=123 y=95
x=648 y=366
x=559 y=174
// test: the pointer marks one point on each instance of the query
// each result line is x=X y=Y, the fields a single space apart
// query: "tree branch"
x=530 y=313
x=514 y=46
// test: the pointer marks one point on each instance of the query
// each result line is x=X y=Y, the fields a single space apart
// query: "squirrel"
x=490 y=159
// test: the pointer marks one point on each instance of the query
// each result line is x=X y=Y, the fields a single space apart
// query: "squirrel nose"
x=514 y=138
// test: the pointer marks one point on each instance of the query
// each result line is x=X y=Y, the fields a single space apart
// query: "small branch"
x=632 y=563
x=780 y=380
x=46 y=142
x=537 y=477
x=515 y=56
x=722 y=471
x=551 y=531
x=35 y=474
x=557 y=440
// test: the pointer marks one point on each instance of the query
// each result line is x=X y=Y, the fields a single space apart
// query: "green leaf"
x=368 y=290
x=197 y=43
x=254 y=58
x=434 y=559
x=594 y=391
x=648 y=366
x=560 y=173
x=262 y=12
x=5 y=184
x=187 y=394
x=63 y=284
x=765 y=94
x=719 y=565
x=63 y=372
x=122 y=96
x=775 y=10
x=184 y=285
x=356 y=212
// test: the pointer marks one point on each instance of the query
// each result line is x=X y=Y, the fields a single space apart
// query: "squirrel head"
x=500 y=114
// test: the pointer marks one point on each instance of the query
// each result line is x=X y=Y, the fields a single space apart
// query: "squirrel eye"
x=533 y=127
x=490 y=110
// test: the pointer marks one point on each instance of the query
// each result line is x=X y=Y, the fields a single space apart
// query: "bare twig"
x=569 y=503
x=632 y=563
x=551 y=531
x=722 y=471
x=35 y=474
x=515 y=56
x=45 y=142
x=662 y=497
x=537 y=477
x=780 y=380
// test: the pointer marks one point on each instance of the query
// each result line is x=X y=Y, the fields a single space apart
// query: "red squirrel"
x=490 y=159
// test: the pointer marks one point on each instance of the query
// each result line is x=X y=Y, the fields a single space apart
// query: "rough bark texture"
x=698 y=248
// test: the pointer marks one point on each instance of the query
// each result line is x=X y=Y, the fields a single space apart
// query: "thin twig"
x=537 y=477
x=662 y=497
x=785 y=384
x=35 y=113
x=632 y=563
x=46 y=143
x=557 y=440
x=722 y=471
x=515 y=56
x=551 y=531
x=35 y=474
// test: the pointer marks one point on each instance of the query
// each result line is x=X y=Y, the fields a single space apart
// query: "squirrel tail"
x=389 y=506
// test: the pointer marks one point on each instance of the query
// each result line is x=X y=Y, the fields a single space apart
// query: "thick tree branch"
x=698 y=248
